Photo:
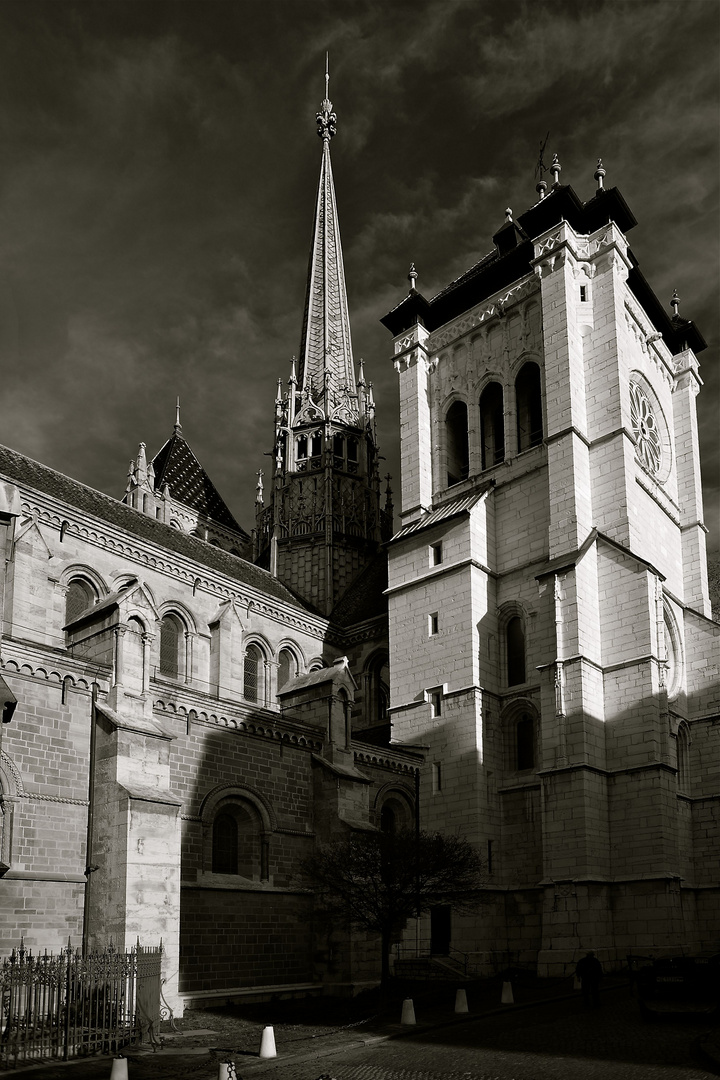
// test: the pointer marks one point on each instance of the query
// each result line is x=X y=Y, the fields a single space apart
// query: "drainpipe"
x=89 y=867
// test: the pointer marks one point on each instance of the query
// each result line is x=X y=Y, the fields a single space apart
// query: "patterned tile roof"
x=23 y=470
x=176 y=465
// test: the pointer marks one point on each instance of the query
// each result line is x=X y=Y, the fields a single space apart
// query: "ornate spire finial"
x=508 y=214
x=412 y=277
x=599 y=174
x=326 y=118
x=178 y=425
x=675 y=304
x=259 y=488
x=293 y=370
x=555 y=169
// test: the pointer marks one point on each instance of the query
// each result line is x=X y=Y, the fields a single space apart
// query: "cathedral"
x=527 y=658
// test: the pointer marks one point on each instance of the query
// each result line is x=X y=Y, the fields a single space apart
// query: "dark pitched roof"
x=513 y=257
x=22 y=470
x=176 y=465
x=365 y=598
x=461 y=505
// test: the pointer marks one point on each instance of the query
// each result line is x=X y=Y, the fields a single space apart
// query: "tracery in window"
x=171 y=645
x=645 y=428
x=80 y=596
x=254 y=674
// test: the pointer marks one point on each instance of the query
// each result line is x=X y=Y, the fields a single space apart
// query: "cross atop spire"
x=326 y=371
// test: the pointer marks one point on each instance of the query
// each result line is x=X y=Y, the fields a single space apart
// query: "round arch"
x=394 y=793
x=181 y=612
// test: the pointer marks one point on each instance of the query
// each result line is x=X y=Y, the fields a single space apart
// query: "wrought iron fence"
x=68 y=1005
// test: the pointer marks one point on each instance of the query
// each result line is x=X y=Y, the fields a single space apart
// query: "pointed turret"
x=323 y=521
x=326 y=369
x=175 y=488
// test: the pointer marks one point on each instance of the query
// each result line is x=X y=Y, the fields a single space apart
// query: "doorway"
x=440 y=930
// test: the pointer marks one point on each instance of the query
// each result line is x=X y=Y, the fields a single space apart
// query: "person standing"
x=589 y=971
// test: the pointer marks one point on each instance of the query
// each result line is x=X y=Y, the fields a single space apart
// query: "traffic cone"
x=461 y=1005
x=227 y=1071
x=507 y=994
x=408 y=1012
x=119 y=1069
x=267 y=1043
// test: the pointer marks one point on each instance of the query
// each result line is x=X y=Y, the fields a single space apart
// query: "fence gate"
x=67 y=1005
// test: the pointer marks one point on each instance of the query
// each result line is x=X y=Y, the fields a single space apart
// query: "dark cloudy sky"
x=158 y=166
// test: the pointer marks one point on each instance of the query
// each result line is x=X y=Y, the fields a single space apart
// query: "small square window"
x=436 y=554
x=436 y=702
x=433 y=624
x=583 y=293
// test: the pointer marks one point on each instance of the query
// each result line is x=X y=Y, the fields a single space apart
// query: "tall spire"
x=326 y=369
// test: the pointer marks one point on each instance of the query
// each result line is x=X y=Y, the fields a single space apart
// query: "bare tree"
x=380 y=880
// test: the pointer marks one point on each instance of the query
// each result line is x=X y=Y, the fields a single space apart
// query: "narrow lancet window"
x=456 y=435
x=492 y=425
x=528 y=400
x=515 y=642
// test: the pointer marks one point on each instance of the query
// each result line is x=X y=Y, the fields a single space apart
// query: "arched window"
x=683 y=758
x=254 y=674
x=225 y=845
x=395 y=814
x=238 y=842
x=492 y=425
x=171 y=643
x=134 y=656
x=388 y=819
x=528 y=402
x=80 y=595
x=524 y=742
x=287 y=667
x=456 y=439
x=515 y=651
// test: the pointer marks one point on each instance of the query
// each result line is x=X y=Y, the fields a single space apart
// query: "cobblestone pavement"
x=560 y=1041
x=557 y=1040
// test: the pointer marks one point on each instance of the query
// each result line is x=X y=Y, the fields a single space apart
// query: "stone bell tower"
x=323 y=522
x=550 y=638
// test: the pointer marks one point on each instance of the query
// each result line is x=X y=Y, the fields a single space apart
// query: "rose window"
x=648 y=443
